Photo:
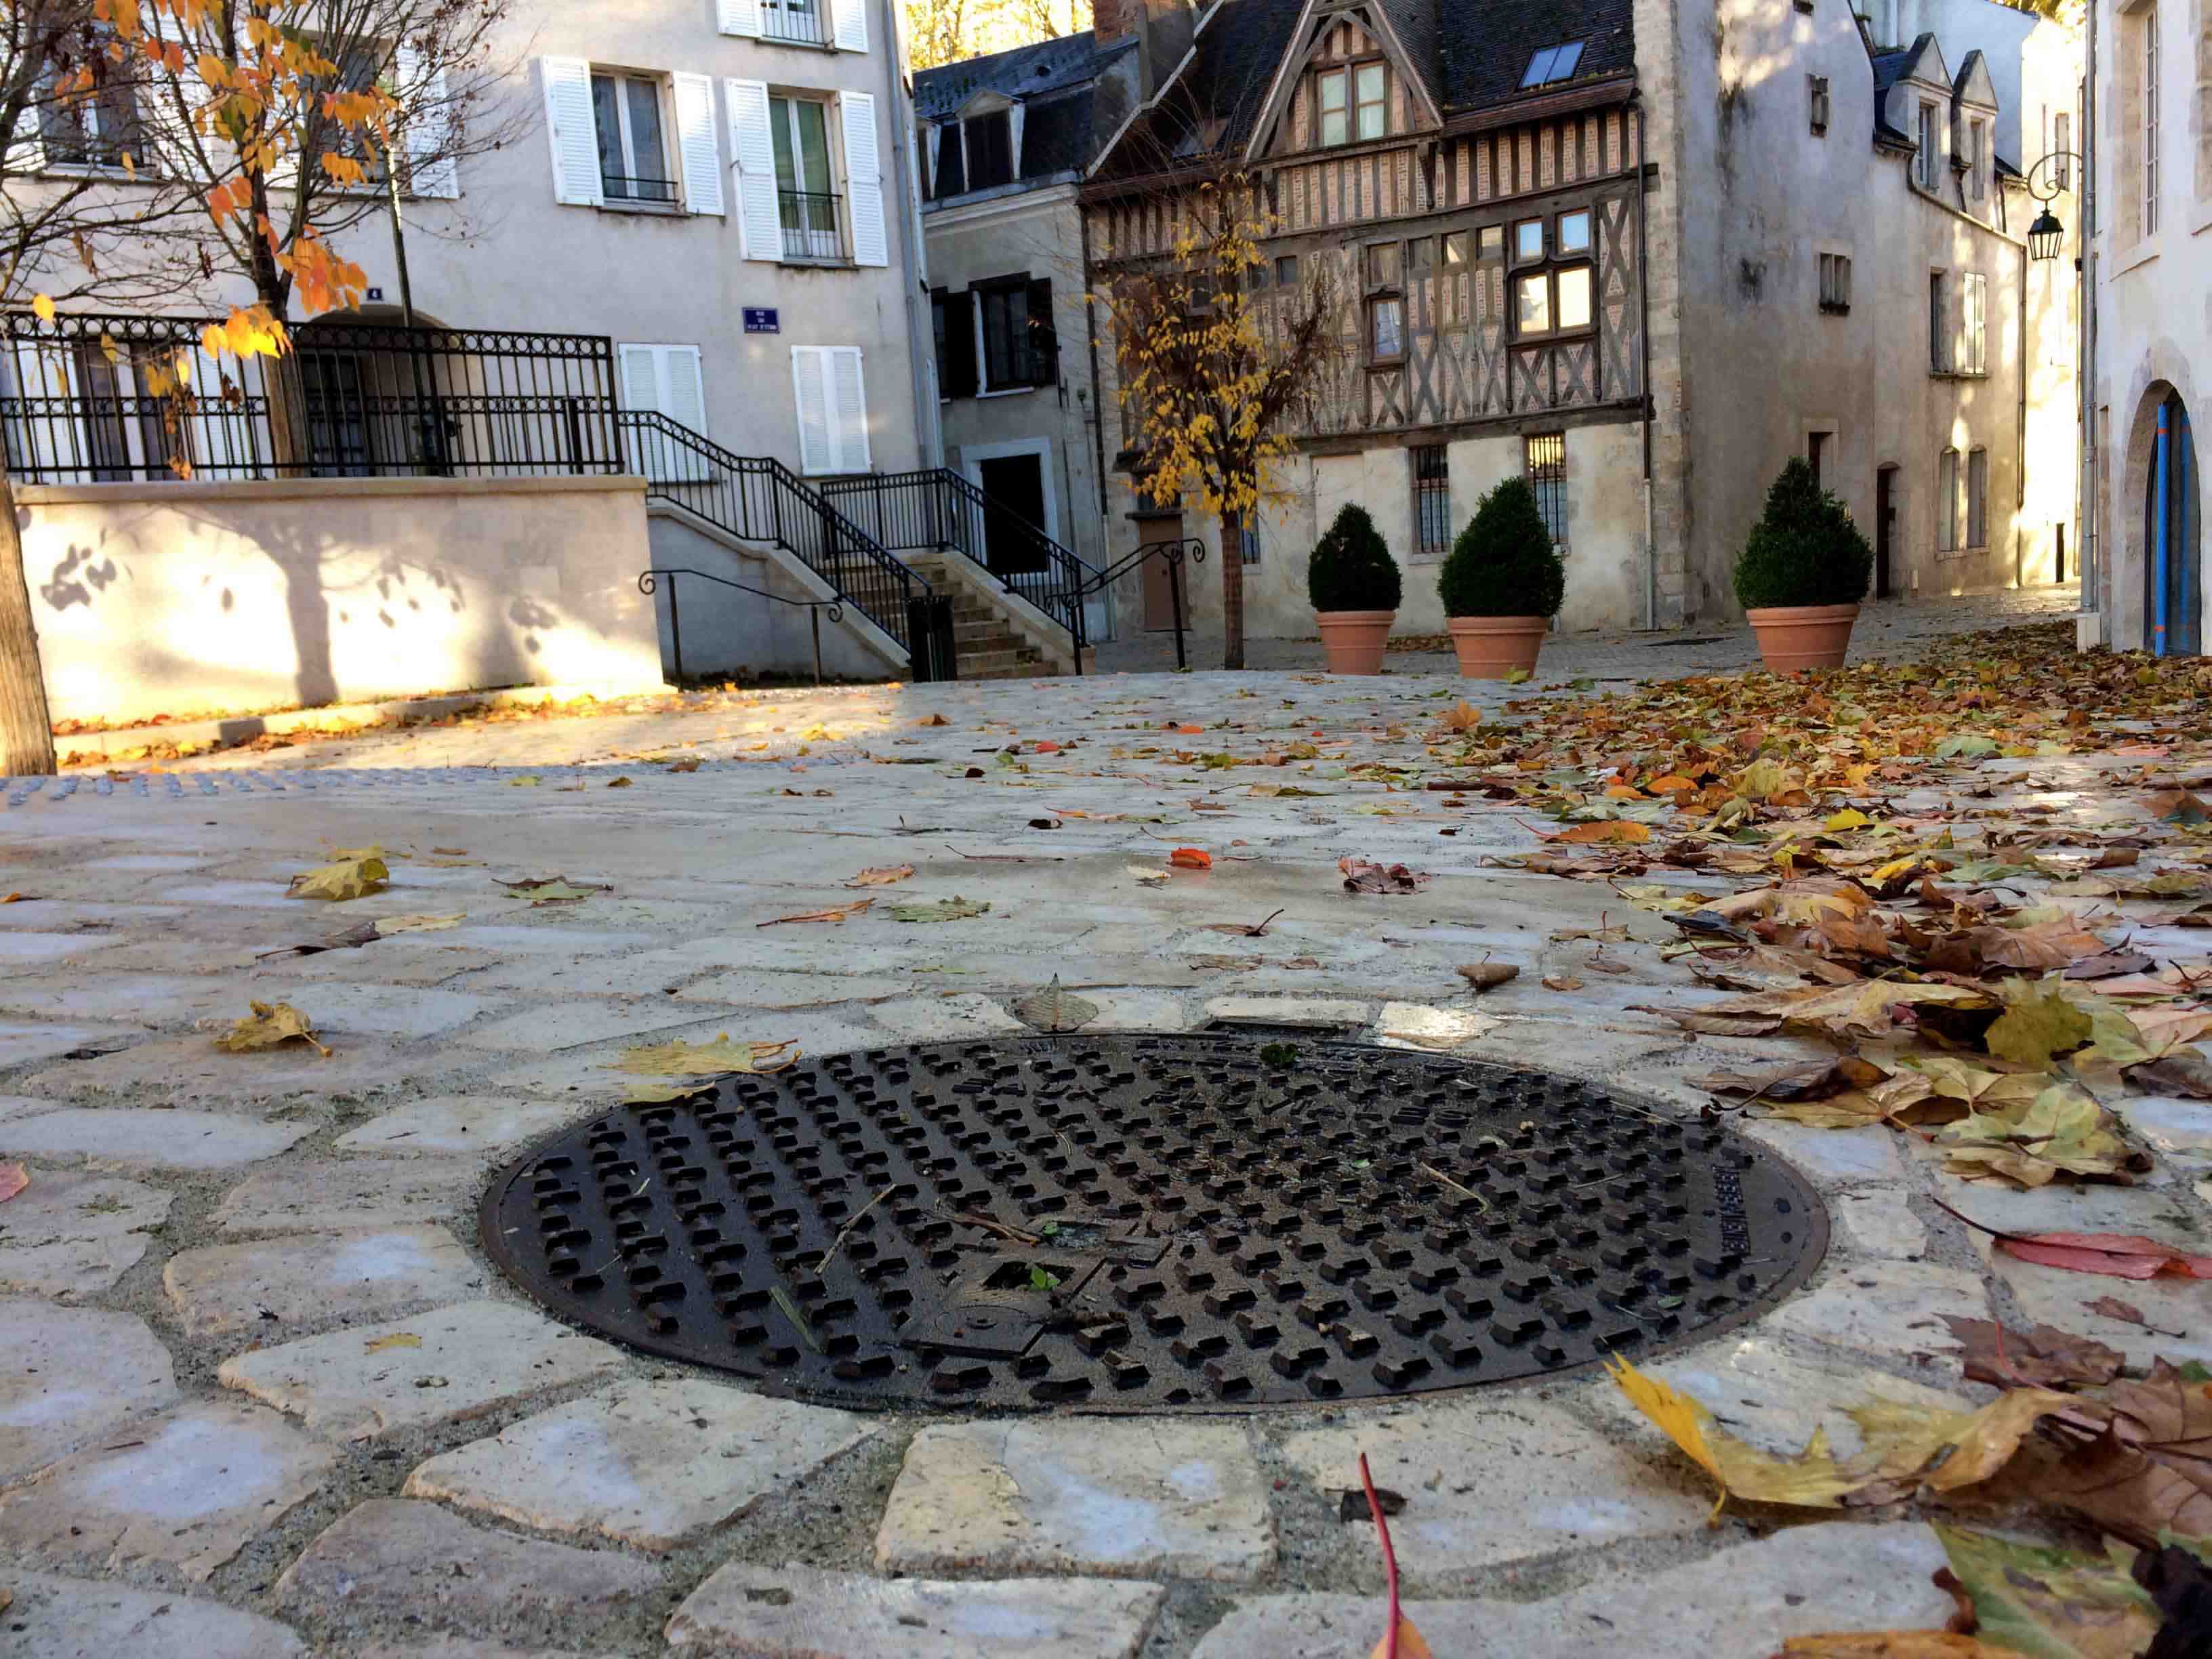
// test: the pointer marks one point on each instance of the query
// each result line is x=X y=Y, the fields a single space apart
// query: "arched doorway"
x=2172 y=535
x=371 y=395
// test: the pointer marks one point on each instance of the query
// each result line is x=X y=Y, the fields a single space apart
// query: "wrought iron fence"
x=83 y=401
x=811 y=230
x=792 y=19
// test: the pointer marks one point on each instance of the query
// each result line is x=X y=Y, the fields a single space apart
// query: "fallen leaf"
x=1360 y=876
x=1190 y=858
x=1809 y=1481
x=1561 y=982
x=2116 y=1255
x=1150 y=875
x=1461 y=716
x=696 y=1063
x=2112 y=1308
x=397 y=1340
x=554 y=890
x=618 y=783
x=835 y=913
x=881 y=875
x=13 y=1177
x=350 y=876
x=1488 y=976
x=1893 y=1644
x=2033 y=1029
x=1607 y=831
x=2063 y=1130
x=2051 y=1603
x=387 y=926
x=1054 y=1010
x=1913 y=1445
x=269 y=1025
x=2046 y=1357
x=952 y=909
x=1863 y=1009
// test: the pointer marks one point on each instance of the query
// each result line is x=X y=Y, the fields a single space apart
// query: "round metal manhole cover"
x=1148 y=1222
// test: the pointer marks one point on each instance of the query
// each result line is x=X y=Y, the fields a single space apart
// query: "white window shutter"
x=687 y=394
x=864 y=178
x=849 y=21
x=702 y=150
x=809 y=386
x=664 y=379
x=432 y=170
x=759 y=216
x=741 y=17
x=568 y=127
x=849 y=405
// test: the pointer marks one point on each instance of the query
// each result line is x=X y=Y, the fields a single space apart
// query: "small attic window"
x=1553 y=63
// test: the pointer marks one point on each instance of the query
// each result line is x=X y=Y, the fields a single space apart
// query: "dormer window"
x=1971 y=162
x=1553 y=63
x=1353 y=103
x=1931 y=156
x=990 y=150
x=1332 y=90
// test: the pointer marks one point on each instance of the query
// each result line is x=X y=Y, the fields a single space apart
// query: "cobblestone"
x=71 y=1374
x=133 y=1139
x=57 y=1618
x=71 y=1235
x=316 y=1278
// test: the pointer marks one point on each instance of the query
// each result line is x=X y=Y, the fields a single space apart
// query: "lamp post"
x=2048 y=180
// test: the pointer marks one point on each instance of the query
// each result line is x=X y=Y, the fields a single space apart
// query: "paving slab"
x=1839 y=1156
x=191 y=1072
x=321 y=1279
x=799 y=1613
x=573 y=1024
x=71 y=1233
x=22 y=1044
x=188 y=1489
x=68 y=1375
x=1501 y=1480
x=415 y=1562
x=143 y=1138
x=946 y=1019
x=1877 y=1221
x=1891 y=1308
x=444 y=1366
x=1741 y=1602
x=403 y=1013
x=456 y=1123
x=28 y=953
x=323 y=1194
x=1114 y=1497
x=755 y=988
x=651 y=1464
x=1287 y=1011
x=2175 y=1310
x=462 y=1648
x=57 y=1618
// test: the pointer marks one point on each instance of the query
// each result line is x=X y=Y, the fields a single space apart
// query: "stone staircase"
x=983 y=632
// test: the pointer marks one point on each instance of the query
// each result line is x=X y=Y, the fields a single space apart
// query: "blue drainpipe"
x=2158 y=537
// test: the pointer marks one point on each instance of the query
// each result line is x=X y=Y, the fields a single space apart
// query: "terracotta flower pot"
x=1491 y=648
x=1795 y=636
x=1354 y=641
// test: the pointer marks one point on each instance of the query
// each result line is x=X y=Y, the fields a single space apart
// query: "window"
x=1456 y=250
x=1020 y=348
x=1382 y=264
x=951 y=160
x=1386 y=333
x=1371 y=115
x=2149 y=15
x=1553 y=63
x=1544 y=455
x=633 y=155
x=1925 y=163
x=832 y=398
x=1249 y=542
x=990 y=150
x=792 y=19
x=1493 y=246
x=1978 y=498
x=1574 y=232
x=1974 y=291
x=1939 y=326
x=96 y=127
x=800 y=130
x=1816 y=455
x=1552 y=301
x=1947 y=502
x=1973 y=161
x=2061 y=145
x=1286 y=271
x=1421 y=256
x=1529 y=239
x=1432 y=500
x=1816 y=88
x=1835 y=282
x=1335 y=120
x=954 y=317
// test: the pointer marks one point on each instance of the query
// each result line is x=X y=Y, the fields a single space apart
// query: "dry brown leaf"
x=270 y=1025
x=1893 y=1644
x=1608 y=832
x=834 y=913
x=881 y=875
x=390 y=925
x=2151 y=1470
x=1562 y=982
x=2045 y=1358
x=349 y=876
x=1488 y=976
x=1054 y=1009
x=13 y=1177
x=1360 y=876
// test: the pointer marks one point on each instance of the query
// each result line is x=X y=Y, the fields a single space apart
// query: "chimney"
x=1112 y=19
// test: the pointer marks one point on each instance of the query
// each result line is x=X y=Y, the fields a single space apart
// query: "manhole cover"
x=1148 y=1222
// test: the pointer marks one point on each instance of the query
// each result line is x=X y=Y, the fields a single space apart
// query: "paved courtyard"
x=265 y=1395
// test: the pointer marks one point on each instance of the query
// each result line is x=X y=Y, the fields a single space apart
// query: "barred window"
x=1835 y=282
x=1816 y=87
x=1432 y=499
x=1545 y=454
x=1249 y=542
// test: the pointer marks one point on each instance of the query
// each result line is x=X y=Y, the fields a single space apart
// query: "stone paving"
x=266 y=1396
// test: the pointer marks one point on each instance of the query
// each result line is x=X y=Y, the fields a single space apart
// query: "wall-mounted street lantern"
x=2048 y=180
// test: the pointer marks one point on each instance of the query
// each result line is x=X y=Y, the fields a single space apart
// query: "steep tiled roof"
x=1486 y=46
x=1025 y=72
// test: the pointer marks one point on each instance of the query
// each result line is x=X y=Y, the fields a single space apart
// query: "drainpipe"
x=2086 y=509
x=1644 y=349
x=2160 y=459
x=1097 y=403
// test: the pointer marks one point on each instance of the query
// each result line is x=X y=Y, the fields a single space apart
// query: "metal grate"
x=1127 y=1222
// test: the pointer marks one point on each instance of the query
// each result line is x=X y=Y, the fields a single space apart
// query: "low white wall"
x=728 y=631
x=193 y=598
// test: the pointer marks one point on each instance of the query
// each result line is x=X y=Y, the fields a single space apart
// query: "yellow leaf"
x=695 y=1064
x=391 y=925
x=1410 y=1642
x=1902 y=1440
x=269 y=1025
x=1614 y=831
x=1811 y=1480
x=1893 y=1644
x=397 y=1340
x=1850 y=818
x=43 y=305
x=352 y=875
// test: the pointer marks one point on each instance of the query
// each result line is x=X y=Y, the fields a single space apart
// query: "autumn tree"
x=86 y=217
x=1215 y=373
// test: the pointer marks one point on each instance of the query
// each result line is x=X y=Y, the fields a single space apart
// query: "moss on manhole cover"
x=1149 y=1222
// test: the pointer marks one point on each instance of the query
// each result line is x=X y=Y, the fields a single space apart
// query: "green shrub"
x=1504 y=563
x=1804 y=550
x=1351 y=568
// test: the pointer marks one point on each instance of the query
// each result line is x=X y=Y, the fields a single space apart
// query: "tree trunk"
x=27 y=731
x=1232 y=590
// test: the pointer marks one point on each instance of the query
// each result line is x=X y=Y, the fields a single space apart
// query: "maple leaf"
x=2045 y=1357
x=2038 y=1025
x=2052 y=1603
x=349 y=876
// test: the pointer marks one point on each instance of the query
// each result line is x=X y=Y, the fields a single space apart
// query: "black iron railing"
x=799 y=20
x=935 y=509
x=756 y=499
x=85 y=399
x=811 y=230
x=616 y=187
x=648 y=582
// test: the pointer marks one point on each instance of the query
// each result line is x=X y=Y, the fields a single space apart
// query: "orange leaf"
x=13 y=1177
x=1190 y=731
x=1612 y=830
x=1190 y=858
x=1047 y=748
x=2117 y=1256
x=1411 y=1645
x=1673 y=783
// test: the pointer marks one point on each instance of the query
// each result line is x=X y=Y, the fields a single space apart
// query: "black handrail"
x=936 y=509
x=758 y=499
x=648 y=582
x=1190 y=548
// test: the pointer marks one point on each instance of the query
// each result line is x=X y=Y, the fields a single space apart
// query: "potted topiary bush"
x=1502 y=583
x=1353 y=583
x=1802 y=575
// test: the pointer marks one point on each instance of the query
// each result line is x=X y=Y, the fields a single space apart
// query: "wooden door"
x=1159 y=599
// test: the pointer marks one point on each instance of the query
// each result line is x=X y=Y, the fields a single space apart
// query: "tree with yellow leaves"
x=1215 y=368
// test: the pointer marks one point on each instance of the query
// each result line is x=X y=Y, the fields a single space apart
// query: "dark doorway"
x=1013 y=493
x=2173 y=527
x=1885 y=527
x=1159 y=597
x=2059 y=573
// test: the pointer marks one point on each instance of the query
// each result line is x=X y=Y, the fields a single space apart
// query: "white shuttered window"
x=741 y=17
x=849 y=22
x=864 y=178
x=569 y=127
x=430 y=133
x=701 y=147
x=665 y=379
x=832 y=400
x=753 y=141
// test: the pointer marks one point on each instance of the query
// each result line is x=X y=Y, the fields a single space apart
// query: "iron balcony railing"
x=82 y=402
x=810 y=228
x=617 y=187
x=758 y=499
x=795 y=21
x=936 y=509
